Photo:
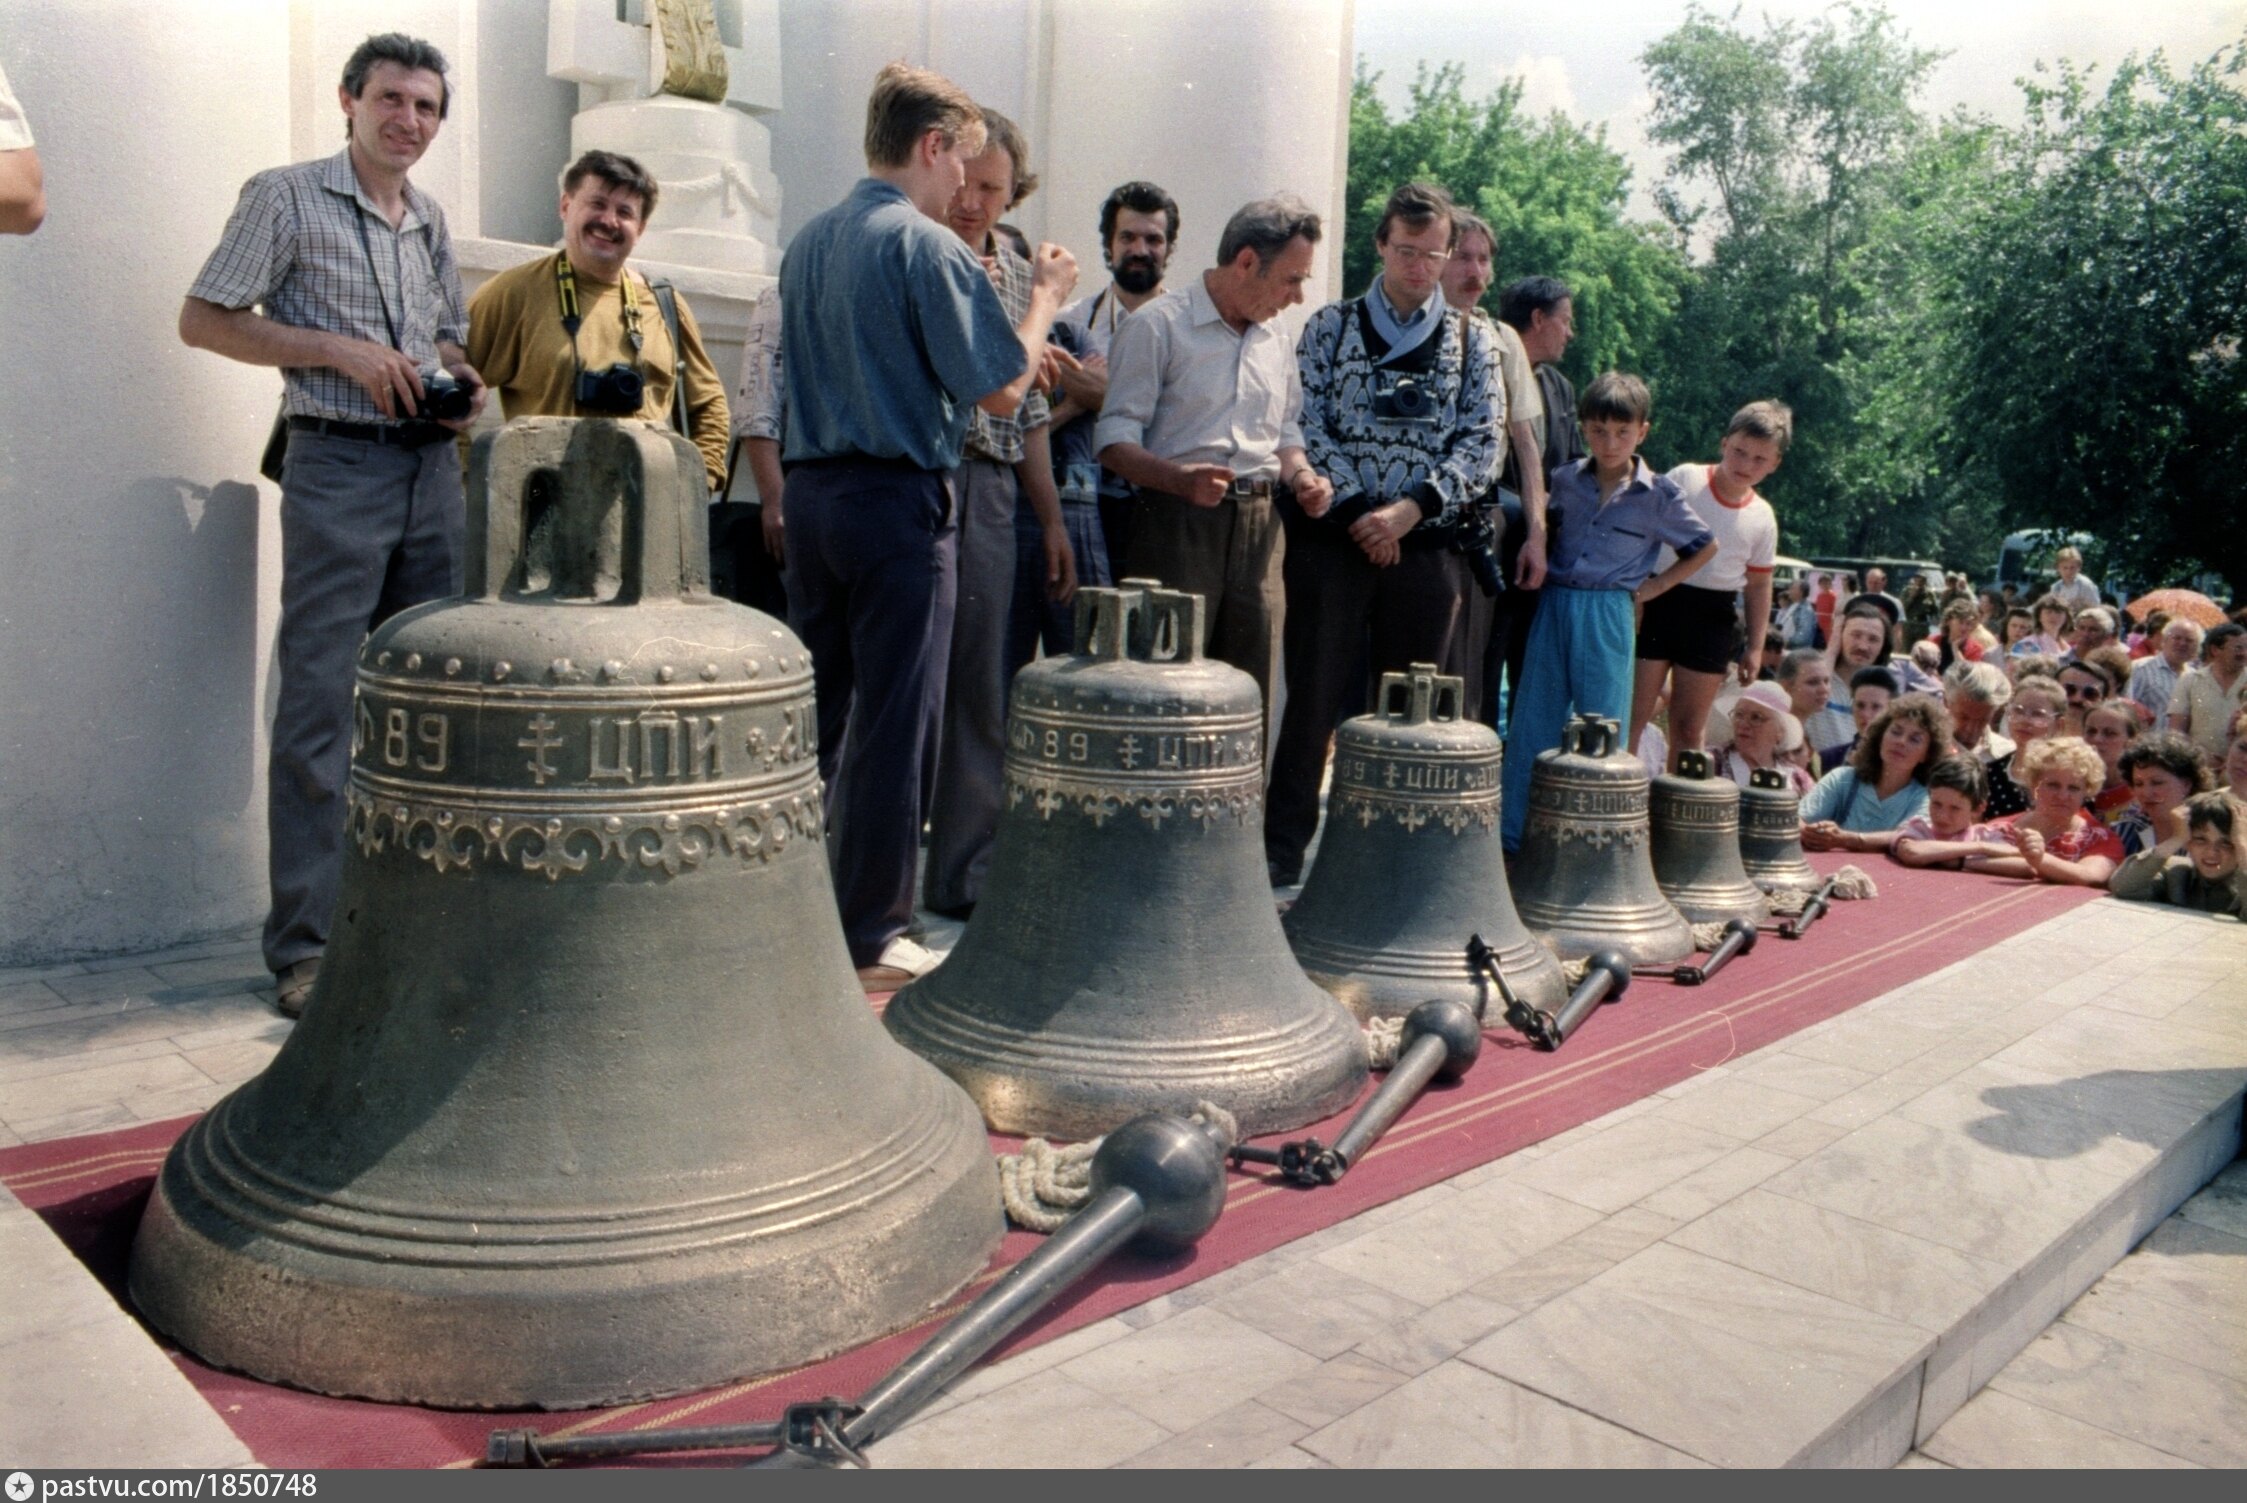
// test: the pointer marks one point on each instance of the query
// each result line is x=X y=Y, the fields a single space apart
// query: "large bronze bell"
x=1696 y=823
x=1410 y=866
x=1126 y=956
x=587 y=1104
x=1771 y=833
x=1583 y=880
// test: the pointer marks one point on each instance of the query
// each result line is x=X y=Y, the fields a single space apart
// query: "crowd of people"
x=935 y=442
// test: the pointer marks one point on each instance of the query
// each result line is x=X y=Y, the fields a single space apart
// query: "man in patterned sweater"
x=1399 y=413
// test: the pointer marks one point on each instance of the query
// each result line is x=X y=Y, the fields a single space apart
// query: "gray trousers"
x=971 y=751
x=366 y=531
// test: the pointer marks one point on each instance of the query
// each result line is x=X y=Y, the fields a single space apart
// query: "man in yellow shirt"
x=575 y=334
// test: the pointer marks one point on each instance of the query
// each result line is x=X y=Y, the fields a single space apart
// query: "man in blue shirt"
x=1609 y=517
x=893 y=332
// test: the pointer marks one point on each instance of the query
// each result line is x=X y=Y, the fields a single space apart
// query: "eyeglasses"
x=2032 y=712
x=2078 y=691
x=1412 y=255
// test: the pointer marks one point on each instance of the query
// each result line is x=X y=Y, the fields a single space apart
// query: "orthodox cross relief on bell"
x=1126 y=956
x=1410 y=867
x=587 y=1104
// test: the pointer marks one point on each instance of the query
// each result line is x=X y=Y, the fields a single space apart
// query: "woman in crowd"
x=2200 y=871
x=2108 y=729
x=1976 y=694
x=1992 y=610
x=2211 y=693
x=2038 y=703
x=2057 y=840
x=1764 y=730
x=2163 y=769
x=2145 y=636
x=1962 y=635
x=1860 y=806
x=2019 y=627
x=2032 y=665
x=1870 y=692
x=2053 y=619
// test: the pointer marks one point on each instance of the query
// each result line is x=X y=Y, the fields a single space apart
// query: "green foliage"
x=1553 y=192
x=2103 y=298
x=1979 y=328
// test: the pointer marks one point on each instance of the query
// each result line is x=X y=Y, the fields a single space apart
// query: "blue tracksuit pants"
x=1579 y=662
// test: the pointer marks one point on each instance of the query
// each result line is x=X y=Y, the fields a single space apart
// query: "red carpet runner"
x=90 y=1190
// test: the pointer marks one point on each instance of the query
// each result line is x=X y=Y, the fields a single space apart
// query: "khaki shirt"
x=1525 y=400
x=518 y=345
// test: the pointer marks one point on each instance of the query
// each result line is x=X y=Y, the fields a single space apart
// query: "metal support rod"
x=527 y=1448
x=1518 y=1014
x=1105 y=1224
x=1441 y=1040
x=1812 y=911
x=1739 y=939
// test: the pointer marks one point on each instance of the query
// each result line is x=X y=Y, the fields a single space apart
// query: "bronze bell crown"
x=587 y=1104
x=1126 y=956
x=1696 y=827
x=1584 y=880
x=1771 y=834
x=1410 y=867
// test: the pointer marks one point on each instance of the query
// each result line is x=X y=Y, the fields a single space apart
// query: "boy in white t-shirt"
x=1689 y=635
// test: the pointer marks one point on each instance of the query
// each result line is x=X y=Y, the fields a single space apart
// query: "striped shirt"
x=293 y=246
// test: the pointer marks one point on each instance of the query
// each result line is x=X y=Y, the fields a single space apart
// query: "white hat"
x=1771 y=697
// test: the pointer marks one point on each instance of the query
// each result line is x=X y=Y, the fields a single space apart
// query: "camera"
x=1403 y=399
x=1477 y=539
x=443 y=398
x=616 y=390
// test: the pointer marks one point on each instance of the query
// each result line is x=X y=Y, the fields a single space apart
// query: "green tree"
x=2102 y=302
x=1791 y=145
x=1554 y=193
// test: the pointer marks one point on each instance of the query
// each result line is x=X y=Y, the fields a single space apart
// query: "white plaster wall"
x=139 y=572
x=140 y=576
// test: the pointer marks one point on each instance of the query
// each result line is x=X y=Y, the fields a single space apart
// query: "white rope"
x=1384 y=1041
x=1851 y=883
x=1707 y=937
x=1044 y=1185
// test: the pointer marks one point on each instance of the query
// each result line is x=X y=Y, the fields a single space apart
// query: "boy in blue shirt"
x=1610 y=516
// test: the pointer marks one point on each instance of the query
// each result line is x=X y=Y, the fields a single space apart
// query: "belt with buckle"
x=1261 y=489
x=394 y=435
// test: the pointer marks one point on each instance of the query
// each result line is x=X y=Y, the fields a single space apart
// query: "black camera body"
x=616 y=390
x=444 y=399
x=1402 y=398
x=1477 y=540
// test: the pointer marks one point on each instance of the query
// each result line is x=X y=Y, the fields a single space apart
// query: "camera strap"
x=565 y=287
x=359 y=222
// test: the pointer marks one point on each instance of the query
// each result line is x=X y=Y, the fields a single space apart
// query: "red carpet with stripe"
x=91 y=1190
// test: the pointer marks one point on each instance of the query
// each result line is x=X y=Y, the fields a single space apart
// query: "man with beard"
x=1138 y=231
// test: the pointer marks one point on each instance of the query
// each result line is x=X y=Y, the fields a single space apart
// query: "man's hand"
x=1206 y=484
x=478 y=394
x=1529 y=566
x=1386 y=524
x=1060 y=566
x=1085 y=382
x=1049 y=368
x=1750 y=661
x=1053 y=271
x=1313 y=492
x=389 y=379
x=775 y=529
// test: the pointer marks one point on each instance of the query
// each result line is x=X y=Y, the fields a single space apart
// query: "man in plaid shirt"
x=361 y=298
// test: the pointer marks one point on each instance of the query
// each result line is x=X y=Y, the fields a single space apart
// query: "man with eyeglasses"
x=1401 y=413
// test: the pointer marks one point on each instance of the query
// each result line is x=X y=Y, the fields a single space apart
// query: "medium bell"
x=1126 y=957
x=1696 y=824
x=1410 y=866
x=1584 y=880
x=1771 y=833
x=587 y=1104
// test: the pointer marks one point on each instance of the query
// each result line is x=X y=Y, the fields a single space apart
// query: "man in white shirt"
x=1203 y=419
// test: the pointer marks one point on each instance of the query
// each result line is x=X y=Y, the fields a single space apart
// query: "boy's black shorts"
x=1691 y=627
